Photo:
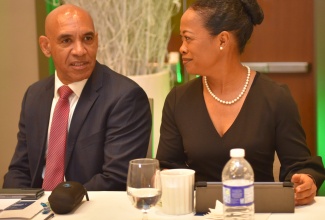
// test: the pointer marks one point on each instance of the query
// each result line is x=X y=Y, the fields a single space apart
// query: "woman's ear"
x=223 y=40
x=44 y=43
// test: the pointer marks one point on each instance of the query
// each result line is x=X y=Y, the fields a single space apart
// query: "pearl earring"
x=221 y=48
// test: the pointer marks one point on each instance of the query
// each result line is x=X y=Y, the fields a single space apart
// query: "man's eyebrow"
x=90 y=33
x=63 y=36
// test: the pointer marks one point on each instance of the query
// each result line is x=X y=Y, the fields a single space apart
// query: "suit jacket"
x=110 y=126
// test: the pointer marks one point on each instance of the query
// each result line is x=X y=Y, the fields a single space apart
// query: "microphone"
x=66 y=196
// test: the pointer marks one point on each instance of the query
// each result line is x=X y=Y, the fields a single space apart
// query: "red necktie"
x=54 y=168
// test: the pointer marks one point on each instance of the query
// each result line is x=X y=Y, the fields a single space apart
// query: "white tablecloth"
x=116 y=206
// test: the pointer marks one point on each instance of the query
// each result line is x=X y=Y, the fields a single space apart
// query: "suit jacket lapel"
x=43 y=112
x=86 y=100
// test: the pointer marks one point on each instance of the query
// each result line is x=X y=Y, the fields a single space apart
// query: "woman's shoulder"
x=265 y=83
x=189 y=87
x=266 y=88
x=186 y=93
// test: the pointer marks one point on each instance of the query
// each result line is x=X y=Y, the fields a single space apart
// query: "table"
x=109 y=205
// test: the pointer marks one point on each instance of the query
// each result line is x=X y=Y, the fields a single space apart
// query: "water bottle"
x=238 y=188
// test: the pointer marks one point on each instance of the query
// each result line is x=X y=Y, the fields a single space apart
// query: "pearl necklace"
x=235 y=99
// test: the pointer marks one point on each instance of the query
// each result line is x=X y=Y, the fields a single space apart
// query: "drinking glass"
x=143 y=184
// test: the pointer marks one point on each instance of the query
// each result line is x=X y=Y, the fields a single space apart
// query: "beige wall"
x=18 y=69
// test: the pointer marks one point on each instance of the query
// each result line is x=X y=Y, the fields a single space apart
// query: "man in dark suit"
x=109 y=121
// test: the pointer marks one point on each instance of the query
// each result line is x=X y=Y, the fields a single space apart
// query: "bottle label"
x=238 y=195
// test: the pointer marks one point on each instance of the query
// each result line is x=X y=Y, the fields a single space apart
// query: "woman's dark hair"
x=237 y=16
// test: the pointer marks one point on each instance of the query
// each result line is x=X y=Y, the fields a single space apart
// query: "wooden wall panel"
x=287 y=34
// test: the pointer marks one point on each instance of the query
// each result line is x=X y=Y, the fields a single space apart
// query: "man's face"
x=72 y=43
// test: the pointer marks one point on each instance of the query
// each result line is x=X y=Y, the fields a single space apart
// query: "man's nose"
x=78 y=48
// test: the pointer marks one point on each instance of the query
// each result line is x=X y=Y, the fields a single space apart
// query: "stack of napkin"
x=216 y=213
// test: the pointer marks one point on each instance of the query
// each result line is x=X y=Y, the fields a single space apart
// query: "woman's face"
x=199 y=49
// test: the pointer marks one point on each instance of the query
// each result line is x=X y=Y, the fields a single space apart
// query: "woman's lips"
x=186 y=60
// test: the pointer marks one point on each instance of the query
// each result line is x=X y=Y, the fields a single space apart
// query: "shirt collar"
x=76 y=87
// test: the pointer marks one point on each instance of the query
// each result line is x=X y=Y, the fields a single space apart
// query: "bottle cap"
x=237 y=152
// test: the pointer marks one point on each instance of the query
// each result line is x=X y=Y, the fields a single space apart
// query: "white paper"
x=4 y=203
x=24 y=209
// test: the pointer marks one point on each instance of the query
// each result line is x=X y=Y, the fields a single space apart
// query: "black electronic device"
x=67 y=196
x=269 y=197
x=21 y=193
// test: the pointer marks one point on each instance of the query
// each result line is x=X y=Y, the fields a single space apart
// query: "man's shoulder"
x=112 y=76
x=45 y=82
x=114 y=83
